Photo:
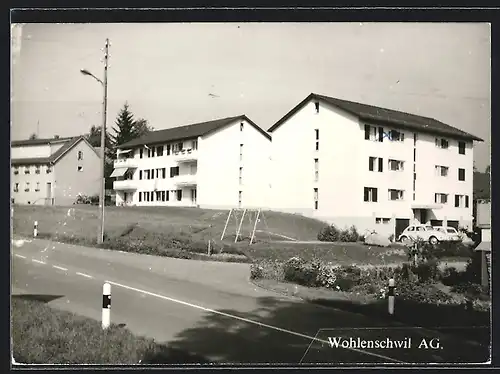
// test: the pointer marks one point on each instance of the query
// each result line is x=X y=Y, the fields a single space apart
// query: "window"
x=149 y=152
x=370 y=194
x=141 y=153
x=241 y=175
x=461 y=174
x=396 y=136
x=442 y=143
x=411 y=228
x=440 y=198
x=180 y=146
x=49 y=170
x=159 y=151
x=16 y=187
x=168 y=149
x=158 y=195
x=241 y=152
x=37 y=188
x=167 y=197
x=414 y=154
x=16 y=170
x=80 y=168
x=152 y=196
x=395 y=165
x=80 y=155
x=316 y=198
x=461 y=201
x=162 y=195
x=380 y=134
x=37 y=169
x=195 y=145
x=239 y=198
x=414 y=139
x=382 y=220
x=316 y=105
x=461 y=148
x=153 y=151
x=317 y=134
x=140 y=175
x=441 y=171
x=241 y=126
x=164 y=173
x=371 y=133
x=27 y=187
x=26 y=170
x=396 y=195
x=174 y=171
x=316 y=169
x=140 y=196
x=179 y=195
x=372 y=161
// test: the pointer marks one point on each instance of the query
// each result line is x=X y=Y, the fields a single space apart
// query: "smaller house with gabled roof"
x=53 y=171
x=219 y=164
x=349 y=163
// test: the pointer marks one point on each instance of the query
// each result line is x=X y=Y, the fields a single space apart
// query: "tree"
x=94 y=138
x=488 y=169
x=33 y=136
x=127 y=128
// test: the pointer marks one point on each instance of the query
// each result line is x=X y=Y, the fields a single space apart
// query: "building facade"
x=53 y=171
x=374 y=168
x=220 y=164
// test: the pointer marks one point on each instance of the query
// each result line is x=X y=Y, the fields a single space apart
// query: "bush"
x=427 y=271
x=425 y=293
x=471 y=289
x=296 y=270
x=333 y=234
x=267 y=269
x=329 y=234
x=391 y=238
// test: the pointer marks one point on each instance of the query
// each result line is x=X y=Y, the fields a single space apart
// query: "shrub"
x=296 y=270
x=427 y=271
x=391 y=238
x=450 y=276
x=329 y=234
x=471 y=289
x=267 y=269
x=425 y=293
x=349 y=235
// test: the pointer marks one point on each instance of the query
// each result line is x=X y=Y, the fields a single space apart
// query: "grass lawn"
x=43 y=335
x=200 y=223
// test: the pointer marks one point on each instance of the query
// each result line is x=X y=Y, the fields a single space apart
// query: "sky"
x=175 y=74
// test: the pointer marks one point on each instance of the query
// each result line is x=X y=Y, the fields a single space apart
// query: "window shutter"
x=168 y=149
x=457 y=201
x=380 y=134
x=374 y=195
x=140 y=196
x=366 y=194
x=367 y=132
x=370 y=163
x=380 y=164
x=466 y=201
x=140 y=177
x=171 y=172
x=140 y=152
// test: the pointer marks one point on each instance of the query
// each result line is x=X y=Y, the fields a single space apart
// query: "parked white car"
x=424 y=232
x=452 y=235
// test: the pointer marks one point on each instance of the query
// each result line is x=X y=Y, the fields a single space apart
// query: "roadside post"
x=106 y=305
x=35 y=229
x=391 y=296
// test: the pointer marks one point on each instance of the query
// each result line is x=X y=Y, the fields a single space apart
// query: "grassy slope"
x=209 y=224
x=159 y=224
x=44 y=335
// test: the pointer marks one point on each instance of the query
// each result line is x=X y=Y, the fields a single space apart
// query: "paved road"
x=211 y=309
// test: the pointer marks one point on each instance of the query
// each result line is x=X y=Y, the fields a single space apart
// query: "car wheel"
x=406 y=240
x=433 y=240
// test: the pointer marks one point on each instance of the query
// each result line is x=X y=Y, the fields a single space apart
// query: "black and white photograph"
x=250 y=193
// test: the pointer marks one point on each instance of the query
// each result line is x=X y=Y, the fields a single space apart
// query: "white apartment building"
x=378 y=169
x=220 y=164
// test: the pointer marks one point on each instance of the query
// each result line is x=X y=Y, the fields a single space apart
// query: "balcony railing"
x=185 y=180
x=125 y=163
x=126 y=184
x=186 y=155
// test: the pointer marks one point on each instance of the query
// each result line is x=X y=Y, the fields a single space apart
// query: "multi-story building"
x=378 y=169
x=219 y=164
x=53 y=171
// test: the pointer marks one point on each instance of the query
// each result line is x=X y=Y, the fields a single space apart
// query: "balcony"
x=186 y=155
x=126 y=184
x=125 y=163
x=185 y=180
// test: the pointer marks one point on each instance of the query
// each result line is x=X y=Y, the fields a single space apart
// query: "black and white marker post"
x=391 y=296
x=106 y=305
x=35 y=229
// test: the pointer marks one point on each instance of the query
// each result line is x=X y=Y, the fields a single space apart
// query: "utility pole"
x=102 y=195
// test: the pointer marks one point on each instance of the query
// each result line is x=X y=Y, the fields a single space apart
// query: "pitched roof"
x=384 y=116
x=53 y=158
x=188 y=131
x=17 y=143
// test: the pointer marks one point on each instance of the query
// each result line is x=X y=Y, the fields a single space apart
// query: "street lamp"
x=100 y=233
